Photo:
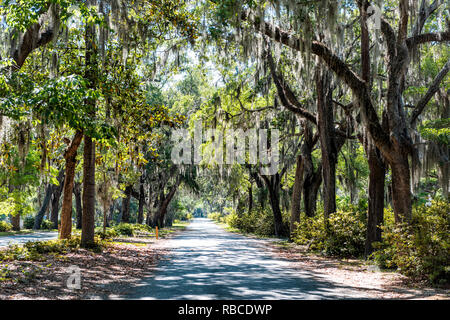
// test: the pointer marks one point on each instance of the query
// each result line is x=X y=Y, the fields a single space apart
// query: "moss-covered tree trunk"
x=375 y=213
x=296 y=194
x=126 y=205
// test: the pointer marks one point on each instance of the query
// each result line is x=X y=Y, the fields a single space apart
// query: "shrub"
x=28 y=222
x=141 y=227
x=264 y=224
x=215 y=216
x=35 y=250
x=5 y=226
x=47 y=225
x=345 y=236
x=124 y=229
x=310 y=231
x=109 y=234
x=233 y=220
x=14 y=252
x=419 y=250
x=257 y=222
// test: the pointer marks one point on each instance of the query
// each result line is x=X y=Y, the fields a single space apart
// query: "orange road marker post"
x=156 y=232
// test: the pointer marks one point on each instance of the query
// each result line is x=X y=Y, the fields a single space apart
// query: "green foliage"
x=28 y=222
x=5 y=226
x=233 y=220
x=109 y=234
x=15 y=252
x=215 y=216
x=124 y=229
x=129 y=229
x=46 y=224
x=22 y=13
x=436 y=130
x=5 y=273
x=35 y=251
x=420 y=250
x=51 y=246
x=259 y=222
x=310 y=231
x=141 y=227
x=58 y=101
x=345 y=236
x=344 y=204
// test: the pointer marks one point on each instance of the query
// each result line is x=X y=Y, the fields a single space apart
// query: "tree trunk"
x=57 y=190
x=274 y=196
x=327 y=134
x=148 y=218
x=311 y=187
x=126 y=205
x=78 y=205
x=312 y=179
x=296 y=195
x=140 y=218
x=273 y=185
x=401 y=188
x=111 y=213
x=162 y=210
x=376 y=198
x=45 y=204
x=71 y=163
x=54 y=199
x=15 y=221
x=88 y=219
x=105 y=217
x=250 y=198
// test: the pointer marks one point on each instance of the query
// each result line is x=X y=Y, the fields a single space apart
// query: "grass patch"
x=13 y=233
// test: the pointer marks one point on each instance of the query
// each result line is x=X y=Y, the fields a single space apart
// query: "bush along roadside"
x=124 y=229
x=420 y=250
x=35 y=251
x=256 y=222
x=345 y=237
x=5 y=226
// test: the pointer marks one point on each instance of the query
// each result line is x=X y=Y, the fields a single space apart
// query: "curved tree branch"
x=34 y=37
x=414 y=41
x=434 y=87
x=340 y=68
x=286 y=95
x=425 y=11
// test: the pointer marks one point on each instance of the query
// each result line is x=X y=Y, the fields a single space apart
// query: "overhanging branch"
x=434 y=87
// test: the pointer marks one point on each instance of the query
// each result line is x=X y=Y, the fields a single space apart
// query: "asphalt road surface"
x=207 y=262
x=22 y=238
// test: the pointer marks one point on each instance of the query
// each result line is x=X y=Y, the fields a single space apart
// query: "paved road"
x=22 y=238
x=208 y=262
